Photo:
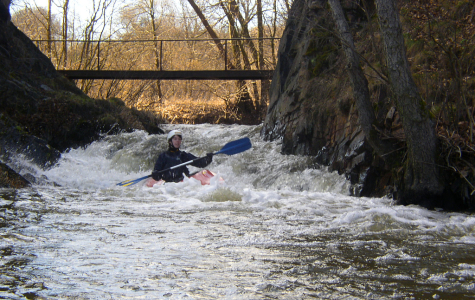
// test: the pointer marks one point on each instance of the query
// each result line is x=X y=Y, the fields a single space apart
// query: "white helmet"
x=172 y=133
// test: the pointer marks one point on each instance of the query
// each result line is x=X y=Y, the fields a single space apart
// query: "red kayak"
x=203 y=176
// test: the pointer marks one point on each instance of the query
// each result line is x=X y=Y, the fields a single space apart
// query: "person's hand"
x=209 y=157
x=156 y=176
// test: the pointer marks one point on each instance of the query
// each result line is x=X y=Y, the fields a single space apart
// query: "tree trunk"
x=49 y=28
x=233 y=33
x=234 y=7
x=265 y=84
x=359 y=83
x=421 y=183
x=211 y=32
x=243 y=100
x=156 y=46
x=65 y=33
x=244 y=29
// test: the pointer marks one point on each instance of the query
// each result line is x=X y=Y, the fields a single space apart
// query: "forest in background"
x=165 y=35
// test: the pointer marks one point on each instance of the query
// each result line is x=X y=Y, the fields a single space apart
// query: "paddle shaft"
x=131 y=182
x=230 y=148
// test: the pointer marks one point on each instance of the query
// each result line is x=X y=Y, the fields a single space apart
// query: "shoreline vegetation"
x=196 y=111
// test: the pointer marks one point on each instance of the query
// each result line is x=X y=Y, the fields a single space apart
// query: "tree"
x=150 y=6
x=97 y=28
x=243 y=102
x=49 y=20
x=210 y=31
x=359 y=83
x=421 y=175
x=64 y=32
x=32 y=21
x=420 y=183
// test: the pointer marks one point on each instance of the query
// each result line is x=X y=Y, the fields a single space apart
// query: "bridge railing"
x=161 y=54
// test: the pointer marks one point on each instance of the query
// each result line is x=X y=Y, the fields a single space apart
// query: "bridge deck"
x=170 y=75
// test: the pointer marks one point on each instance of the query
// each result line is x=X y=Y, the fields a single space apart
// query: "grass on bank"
x=197 y=111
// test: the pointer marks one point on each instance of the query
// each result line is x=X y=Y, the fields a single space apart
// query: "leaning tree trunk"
x=211 y=32
x=244 y=32
x=359 y=83
x=421 y=183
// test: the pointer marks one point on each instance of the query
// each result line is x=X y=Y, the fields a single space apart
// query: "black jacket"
x=169 y=159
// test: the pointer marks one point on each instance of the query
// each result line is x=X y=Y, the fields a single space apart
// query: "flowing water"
x=274 y=227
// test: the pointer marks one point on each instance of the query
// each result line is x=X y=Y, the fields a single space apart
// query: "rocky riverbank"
x=312 y=107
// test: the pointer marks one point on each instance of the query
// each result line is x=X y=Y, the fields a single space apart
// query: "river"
x=275 y=227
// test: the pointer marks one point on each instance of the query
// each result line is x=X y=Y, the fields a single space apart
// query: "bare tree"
x=33 y=22
x=210 y=31
x=64 y=32
x=49 y=20
x=153 y=22
x=90 y=55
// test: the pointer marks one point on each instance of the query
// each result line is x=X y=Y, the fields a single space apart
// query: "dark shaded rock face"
x=10 y=179
x=14 y=143
x=311 y=103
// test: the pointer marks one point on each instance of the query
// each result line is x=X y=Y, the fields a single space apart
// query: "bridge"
x=177 y=59
x=169 y=75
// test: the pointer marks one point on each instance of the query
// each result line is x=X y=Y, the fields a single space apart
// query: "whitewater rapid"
x=276 y=227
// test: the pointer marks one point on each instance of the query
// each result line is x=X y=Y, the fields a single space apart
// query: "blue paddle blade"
x=132 y=181
x=236 y=147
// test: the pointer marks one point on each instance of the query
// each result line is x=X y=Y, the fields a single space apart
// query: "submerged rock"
x=11 y=179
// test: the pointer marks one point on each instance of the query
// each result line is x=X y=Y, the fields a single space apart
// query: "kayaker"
x=173 y=156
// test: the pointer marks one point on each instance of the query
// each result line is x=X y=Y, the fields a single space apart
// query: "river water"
x=274 y=227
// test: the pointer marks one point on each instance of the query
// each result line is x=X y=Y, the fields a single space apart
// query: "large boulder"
x=312 y=108
x=311 y=101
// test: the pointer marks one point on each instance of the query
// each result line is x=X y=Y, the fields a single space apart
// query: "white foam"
x=269 y=204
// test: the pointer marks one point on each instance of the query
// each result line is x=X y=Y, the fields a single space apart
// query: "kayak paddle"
x=230 y=148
